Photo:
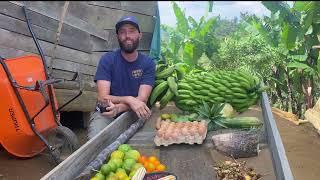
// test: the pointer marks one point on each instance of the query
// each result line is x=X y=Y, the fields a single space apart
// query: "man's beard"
x=129 y=48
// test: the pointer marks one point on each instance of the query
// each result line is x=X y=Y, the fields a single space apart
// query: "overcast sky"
x=196 y=9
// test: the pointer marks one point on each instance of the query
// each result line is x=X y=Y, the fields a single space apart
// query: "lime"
x=132 y=154
x=106 y=169
x=113 y=166
x=117 y=154
x=121 y=175
x=124 y=148
x=100 y=176
x=120 y=170
x=128 y=164
x=118 y=162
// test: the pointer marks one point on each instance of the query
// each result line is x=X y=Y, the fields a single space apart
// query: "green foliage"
x=278 y=49
x=252 y=53
x=189 y=40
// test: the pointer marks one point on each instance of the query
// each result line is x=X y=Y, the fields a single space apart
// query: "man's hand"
x=112 y=110
x=140 y=108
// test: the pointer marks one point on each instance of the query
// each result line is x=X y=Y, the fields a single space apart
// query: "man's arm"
x=144 y=92
x=104 y=93
x=124 y=103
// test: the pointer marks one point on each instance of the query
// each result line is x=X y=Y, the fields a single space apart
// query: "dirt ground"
x=302 y=144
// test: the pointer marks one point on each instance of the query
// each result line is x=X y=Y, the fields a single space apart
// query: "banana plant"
x=294 y=30
x=189 y=39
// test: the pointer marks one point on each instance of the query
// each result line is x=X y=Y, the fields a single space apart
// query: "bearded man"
x=124 y=78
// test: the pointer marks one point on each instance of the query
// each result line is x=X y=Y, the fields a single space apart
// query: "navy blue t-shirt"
x=125 y=77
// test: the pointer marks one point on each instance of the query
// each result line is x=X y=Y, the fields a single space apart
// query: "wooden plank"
x=141 y=7
x=74 y=85
x=76 y=162
x=109 y=4
x=85 y=102
x=58 y=73
x=25 y=43
x=72 y=66
x=98 y=44
x=7 y=52
x=69 y=37
x=280 y=160
x=79 y=9
x=48 y=19
x=99 y=15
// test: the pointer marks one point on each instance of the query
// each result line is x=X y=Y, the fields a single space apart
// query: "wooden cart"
x=188 y=162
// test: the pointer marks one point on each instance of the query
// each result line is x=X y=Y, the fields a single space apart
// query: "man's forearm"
x=119 y=99
x=122 y=107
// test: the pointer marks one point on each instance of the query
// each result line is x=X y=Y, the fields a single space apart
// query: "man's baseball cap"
x=127 y=20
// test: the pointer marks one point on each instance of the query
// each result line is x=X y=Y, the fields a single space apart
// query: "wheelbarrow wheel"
x=64 y=143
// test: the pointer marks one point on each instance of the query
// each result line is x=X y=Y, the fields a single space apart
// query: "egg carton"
x=181 y=132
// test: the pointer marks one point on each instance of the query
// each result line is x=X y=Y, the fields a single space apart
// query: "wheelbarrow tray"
x=16 y=135
x=185 y=161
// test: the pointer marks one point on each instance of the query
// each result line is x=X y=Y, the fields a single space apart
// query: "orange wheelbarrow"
x=30 y=119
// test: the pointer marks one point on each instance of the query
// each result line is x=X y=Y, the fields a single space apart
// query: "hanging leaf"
x=210 y=6
x=298 y=65
x=289 y=35
x=182 y=22
x=301 y=58
x=310 y=30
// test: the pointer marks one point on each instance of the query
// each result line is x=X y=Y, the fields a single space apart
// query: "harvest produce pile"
x=238 y=88
x=126 y=163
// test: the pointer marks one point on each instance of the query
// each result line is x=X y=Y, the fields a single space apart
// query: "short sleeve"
x=149 y=73
x=104 y=68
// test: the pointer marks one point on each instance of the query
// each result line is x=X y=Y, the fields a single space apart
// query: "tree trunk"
x=278 y=94
x=290 y=95
x=307 y=89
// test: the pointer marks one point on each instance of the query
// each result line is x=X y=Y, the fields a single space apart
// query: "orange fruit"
x=156 y=163
x=152 y=159
x=150 y=168
x=142 y=159
x=145 y=164
x=161 y=167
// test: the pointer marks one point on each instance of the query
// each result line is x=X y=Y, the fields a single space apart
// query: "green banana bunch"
x=238 y=88
x=166 y=85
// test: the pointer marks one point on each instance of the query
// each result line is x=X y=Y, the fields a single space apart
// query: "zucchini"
x=242 y=122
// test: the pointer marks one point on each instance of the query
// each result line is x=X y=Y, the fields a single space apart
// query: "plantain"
x=165 y=73
x=166 y=98
x=157 y=91
x=172 y=85
x=180 y=70
x=158 y=82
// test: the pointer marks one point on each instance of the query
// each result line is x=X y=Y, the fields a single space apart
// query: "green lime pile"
x=122 y=164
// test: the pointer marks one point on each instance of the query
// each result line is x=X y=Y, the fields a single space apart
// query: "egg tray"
x=181 y=132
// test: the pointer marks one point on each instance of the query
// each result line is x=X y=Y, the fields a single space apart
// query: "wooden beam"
x=106 y=18
x=70 y=37
x=88 y=152
x=85 y=102
x=25 y=43
x=280 y=160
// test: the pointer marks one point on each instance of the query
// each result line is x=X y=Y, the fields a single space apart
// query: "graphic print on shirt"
x=137 y=73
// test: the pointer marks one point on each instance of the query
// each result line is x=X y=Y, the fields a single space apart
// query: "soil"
x=302 y=144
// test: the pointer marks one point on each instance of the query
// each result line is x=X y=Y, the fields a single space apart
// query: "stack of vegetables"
x=238 y=88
